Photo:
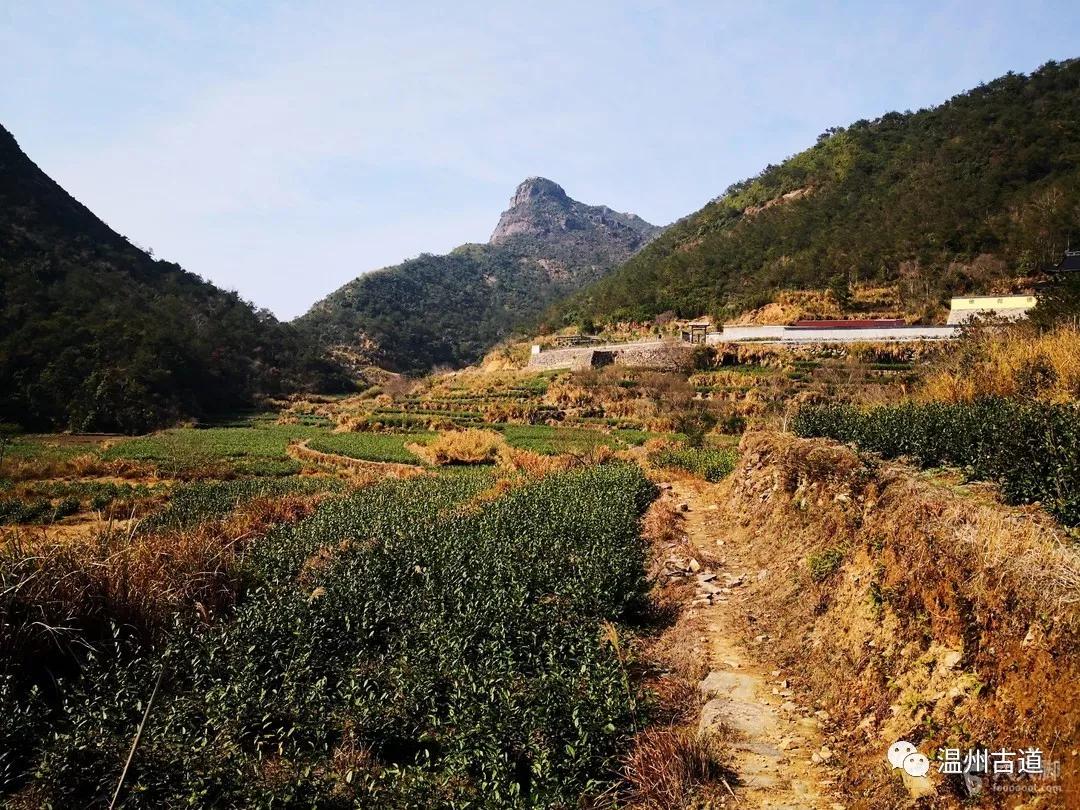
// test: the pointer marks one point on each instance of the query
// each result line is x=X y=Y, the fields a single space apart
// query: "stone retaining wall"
x=651 y=354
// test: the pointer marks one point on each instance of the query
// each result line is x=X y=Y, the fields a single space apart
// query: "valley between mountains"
x=384 y=557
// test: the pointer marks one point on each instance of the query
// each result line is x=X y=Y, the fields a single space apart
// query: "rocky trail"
x=780 y=750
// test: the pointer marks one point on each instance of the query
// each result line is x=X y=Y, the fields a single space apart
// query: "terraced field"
x=398 y=646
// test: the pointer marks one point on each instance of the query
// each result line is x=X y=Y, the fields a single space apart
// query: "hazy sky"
x=281 y=149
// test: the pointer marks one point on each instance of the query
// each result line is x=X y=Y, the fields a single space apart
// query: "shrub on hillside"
x=472 y=446
x=710 y=463
x=1031 y=450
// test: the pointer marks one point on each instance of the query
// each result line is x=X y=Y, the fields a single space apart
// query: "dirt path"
x=780 y=756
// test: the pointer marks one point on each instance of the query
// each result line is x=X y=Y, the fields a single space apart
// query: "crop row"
x=47 y=501
x=710 y=463
x=1031 y=450
x=389 y=447
x=399 y=647
x=192 y=503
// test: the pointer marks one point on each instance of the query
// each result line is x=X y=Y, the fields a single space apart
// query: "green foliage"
x=450 y=310
x=1058 y=303
x=1031 y=450
x=823 y=564
x=694 y=423
x=840 y=288
x=436 y=310
x=22 y=510
x=198 y=501
x=257 y=450
x=40 y=506
x=914 y=197
x=371 y=446
x=436 y=656
x=96 y=335
x=710 y=463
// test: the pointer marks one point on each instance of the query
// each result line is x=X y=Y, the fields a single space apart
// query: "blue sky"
x=281 y=149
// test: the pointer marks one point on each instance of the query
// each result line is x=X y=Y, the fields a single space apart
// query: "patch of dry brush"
x=1014 y=362
x=56 y=593
x=86 y=465
x=471 y=446
x=942 y=616
x=670 y=764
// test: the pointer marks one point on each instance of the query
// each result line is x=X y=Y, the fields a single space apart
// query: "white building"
x=1010 y=307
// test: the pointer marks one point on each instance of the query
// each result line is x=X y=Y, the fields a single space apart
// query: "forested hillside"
x=97 y=335
x=449 y=310
x=980 y=190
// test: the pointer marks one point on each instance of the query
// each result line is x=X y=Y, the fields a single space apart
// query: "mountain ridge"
x=541 y=207
x=971 y=195
x=95 y=334
x=450 y=309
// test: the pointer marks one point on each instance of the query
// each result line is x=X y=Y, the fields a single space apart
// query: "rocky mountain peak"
x=534 y=188
x=545 y=246
x=542 y=213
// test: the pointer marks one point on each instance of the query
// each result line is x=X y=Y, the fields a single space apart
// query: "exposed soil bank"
x=900 y=607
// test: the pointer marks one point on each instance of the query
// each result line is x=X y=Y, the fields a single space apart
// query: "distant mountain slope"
x=449 y=310
x=951 y=199
x=97 y=335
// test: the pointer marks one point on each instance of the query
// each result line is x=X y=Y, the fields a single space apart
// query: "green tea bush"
x=17 y=510
x=388 y=447
x=399 y=647
x=710 y=463
x=1031 y=450
x=192 y=503
x=36 y=510
x=257 y=450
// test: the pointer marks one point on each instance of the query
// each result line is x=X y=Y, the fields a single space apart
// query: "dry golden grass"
x=358 y=471
x=1012 y=362
x=472 y=446
x=667 y=768
x=531 y=463
x=87 y=465
x=939 y=589
x=118 y=575
x=661 y=525
x=794 y=305
x=506 y=357
x=633 y=395
x=512 y=411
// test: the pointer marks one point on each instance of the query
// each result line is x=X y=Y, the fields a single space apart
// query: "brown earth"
x=738 y=697
x=934 y=615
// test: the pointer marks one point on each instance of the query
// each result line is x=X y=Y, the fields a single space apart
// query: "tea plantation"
x=1031 y=450
x=710 y=463
x=407 y=645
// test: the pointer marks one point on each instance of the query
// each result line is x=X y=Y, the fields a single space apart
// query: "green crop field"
x=195 y=502
x=437 y=656
x=49 y=447
x=371 y=446
x=1032 y=450
x=258 y=450
x=710 y=463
